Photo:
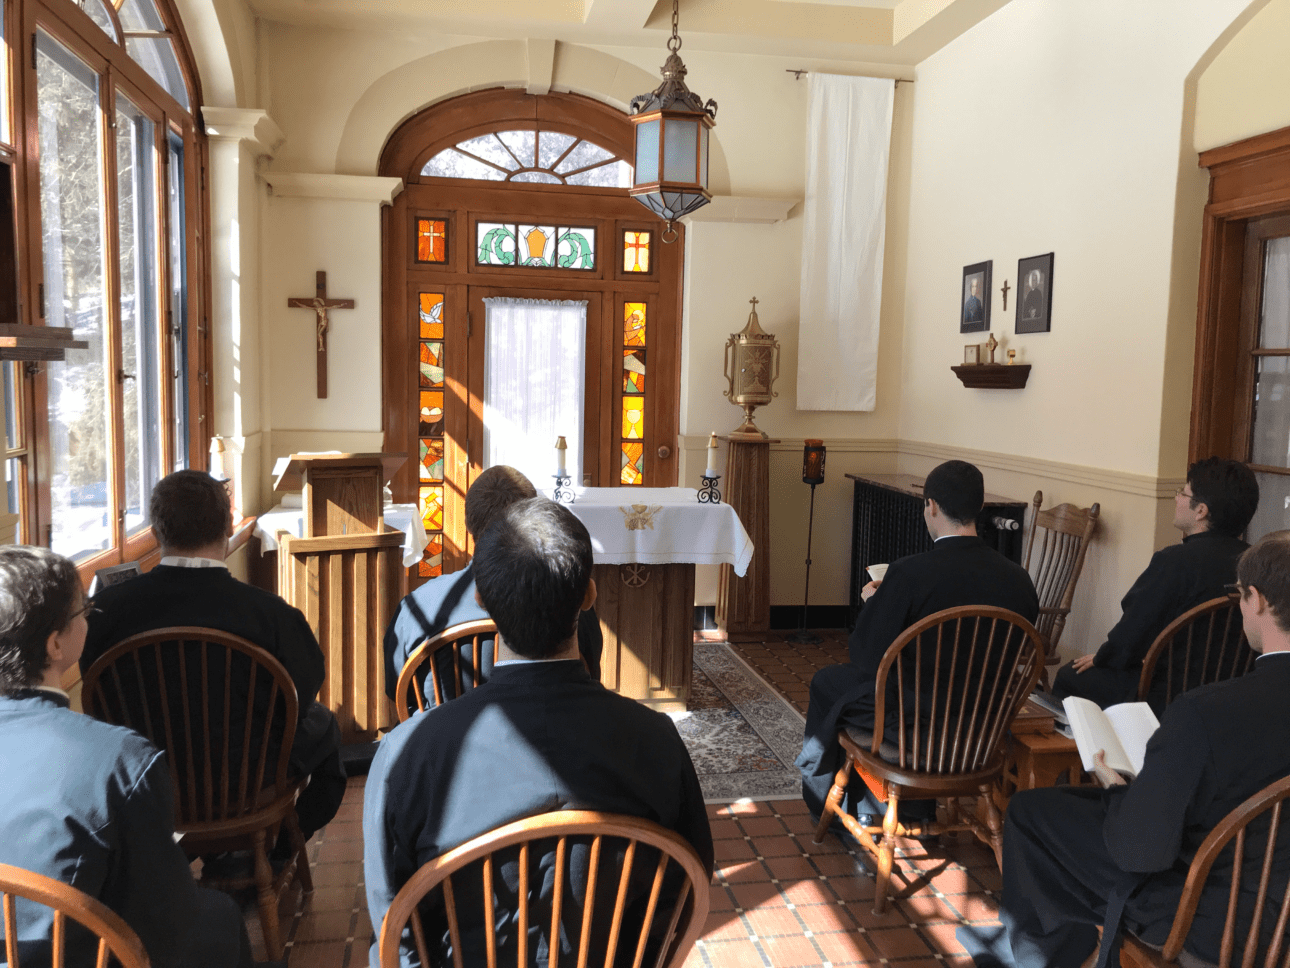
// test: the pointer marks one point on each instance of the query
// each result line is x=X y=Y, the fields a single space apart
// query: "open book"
x=1121 y=730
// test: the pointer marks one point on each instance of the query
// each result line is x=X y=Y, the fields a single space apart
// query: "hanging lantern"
x=672 y=124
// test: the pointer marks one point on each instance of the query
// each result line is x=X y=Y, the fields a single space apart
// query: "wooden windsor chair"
x=114 y=937
x=1203 y=645
x=597 y=881
x=1256 y=890
x=454 y=661
x=224 y=712
x=946 y=693
x=1055 y=549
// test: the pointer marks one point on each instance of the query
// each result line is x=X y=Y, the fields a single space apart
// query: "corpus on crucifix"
x=320 y=304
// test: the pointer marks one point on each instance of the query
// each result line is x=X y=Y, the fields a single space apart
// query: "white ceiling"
x=896 y=32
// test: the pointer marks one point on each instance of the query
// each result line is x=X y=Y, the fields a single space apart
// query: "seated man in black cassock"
x=450 y=599
x=192 y=585
x=1077 y=857
x=540 y=735
x=1212 y=511
x=959 y=570
x=87 y=803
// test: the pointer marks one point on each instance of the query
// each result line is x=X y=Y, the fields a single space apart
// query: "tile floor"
x=777 y=899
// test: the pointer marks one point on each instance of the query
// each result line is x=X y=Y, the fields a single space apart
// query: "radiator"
x=887 y=523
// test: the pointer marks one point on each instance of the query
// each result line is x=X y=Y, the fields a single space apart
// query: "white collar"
x=53 y=690
x=506 y=662
x=179 y=561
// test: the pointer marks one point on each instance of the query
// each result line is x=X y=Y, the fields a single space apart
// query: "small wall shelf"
x=993 y=376
x=37 y=342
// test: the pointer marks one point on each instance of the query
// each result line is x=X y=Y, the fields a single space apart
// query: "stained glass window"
x=636 y=251
x=432 y=240
x=535 y=246
x=633 y=405
x=544 y=157
x=633 y=455
x=430 y=427
x=634 y=324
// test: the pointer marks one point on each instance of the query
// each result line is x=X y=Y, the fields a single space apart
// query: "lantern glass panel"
x=681 y=151
x=647 y=135
x=703 y=155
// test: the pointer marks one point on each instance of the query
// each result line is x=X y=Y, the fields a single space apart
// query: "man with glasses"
x=87 y=803
x=1077 y=857
x=1212 y=511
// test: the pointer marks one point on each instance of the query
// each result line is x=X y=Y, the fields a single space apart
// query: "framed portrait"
x=1034 y=293
x=972 y=354
x=974 y=298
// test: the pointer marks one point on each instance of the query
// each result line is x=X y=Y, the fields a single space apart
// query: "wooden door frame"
x=1249 y=180
x=464 y=202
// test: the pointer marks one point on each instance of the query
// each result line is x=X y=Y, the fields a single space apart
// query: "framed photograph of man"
x=974 y=309
x=1034 y=293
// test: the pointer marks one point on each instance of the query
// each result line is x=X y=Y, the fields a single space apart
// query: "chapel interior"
x=257 y=144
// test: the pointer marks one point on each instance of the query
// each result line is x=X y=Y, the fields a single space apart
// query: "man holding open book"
x=1077 y=857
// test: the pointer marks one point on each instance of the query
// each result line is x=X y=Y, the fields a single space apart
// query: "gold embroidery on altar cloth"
x=638 y=517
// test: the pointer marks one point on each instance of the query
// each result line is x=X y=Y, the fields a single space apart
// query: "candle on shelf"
x=560 y=449
x=712 y=456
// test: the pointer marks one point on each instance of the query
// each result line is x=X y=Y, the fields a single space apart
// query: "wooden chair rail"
x=411 y=685
x=114 y=935
x=1233 y=830
x=686 y=921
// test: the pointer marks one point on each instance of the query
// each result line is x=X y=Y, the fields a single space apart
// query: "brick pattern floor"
x=777 y=899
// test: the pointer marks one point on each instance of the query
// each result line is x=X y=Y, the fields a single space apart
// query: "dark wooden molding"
x=1249 y=194
x=993 y=376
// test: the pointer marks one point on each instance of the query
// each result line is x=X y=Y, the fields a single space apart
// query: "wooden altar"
x=344 y=574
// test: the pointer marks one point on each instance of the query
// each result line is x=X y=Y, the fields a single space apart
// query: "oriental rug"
x=742 y=736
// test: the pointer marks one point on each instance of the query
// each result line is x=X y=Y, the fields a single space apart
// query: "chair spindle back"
x=222 y=709
x=114 y=937
x=1203 y=645
x=614 y=868
x=1056 y=565
x=957 y=679
x=469 y=649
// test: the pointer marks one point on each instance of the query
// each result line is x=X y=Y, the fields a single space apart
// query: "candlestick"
x=561 y=449
x=712 y=456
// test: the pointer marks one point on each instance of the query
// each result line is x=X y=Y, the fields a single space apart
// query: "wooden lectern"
x=344 y=574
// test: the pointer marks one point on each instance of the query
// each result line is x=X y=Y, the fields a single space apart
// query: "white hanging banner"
x=534 y=377
x=843 y=232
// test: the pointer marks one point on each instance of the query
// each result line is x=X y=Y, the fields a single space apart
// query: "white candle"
x=712 y=456
x=560 y=449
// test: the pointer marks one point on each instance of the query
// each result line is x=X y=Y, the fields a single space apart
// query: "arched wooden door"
x=512 y=194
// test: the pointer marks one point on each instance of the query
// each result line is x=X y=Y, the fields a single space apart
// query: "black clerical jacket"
x=536 y=737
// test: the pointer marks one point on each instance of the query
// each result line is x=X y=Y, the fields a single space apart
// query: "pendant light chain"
x=674 y=44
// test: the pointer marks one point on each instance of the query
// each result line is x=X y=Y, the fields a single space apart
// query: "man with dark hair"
x=87 y=803
x=540 y=735
x=450 y=599
x=959 y=570
x=1077 y=857
x=192 y=519
x=1211 y=511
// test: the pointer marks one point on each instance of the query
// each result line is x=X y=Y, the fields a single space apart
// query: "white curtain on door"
x=844 y=224
x=534 y=377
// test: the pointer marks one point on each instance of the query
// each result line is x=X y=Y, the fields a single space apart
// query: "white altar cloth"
x=659 y=526
x=403 y=517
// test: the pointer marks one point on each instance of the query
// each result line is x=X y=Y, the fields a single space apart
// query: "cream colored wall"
x=1048 y=126
x=1064 y=128
x=1246 y=90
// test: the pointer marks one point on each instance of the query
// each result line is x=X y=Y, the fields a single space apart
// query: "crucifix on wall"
x=320 y=304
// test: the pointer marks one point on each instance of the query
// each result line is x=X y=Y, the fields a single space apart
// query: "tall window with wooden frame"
x=513 y=198
x=1241 y=390
x=109 y=200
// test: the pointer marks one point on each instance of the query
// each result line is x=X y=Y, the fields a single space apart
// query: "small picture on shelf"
x=1035 y=300
x=972 y=354
x=974 y=315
